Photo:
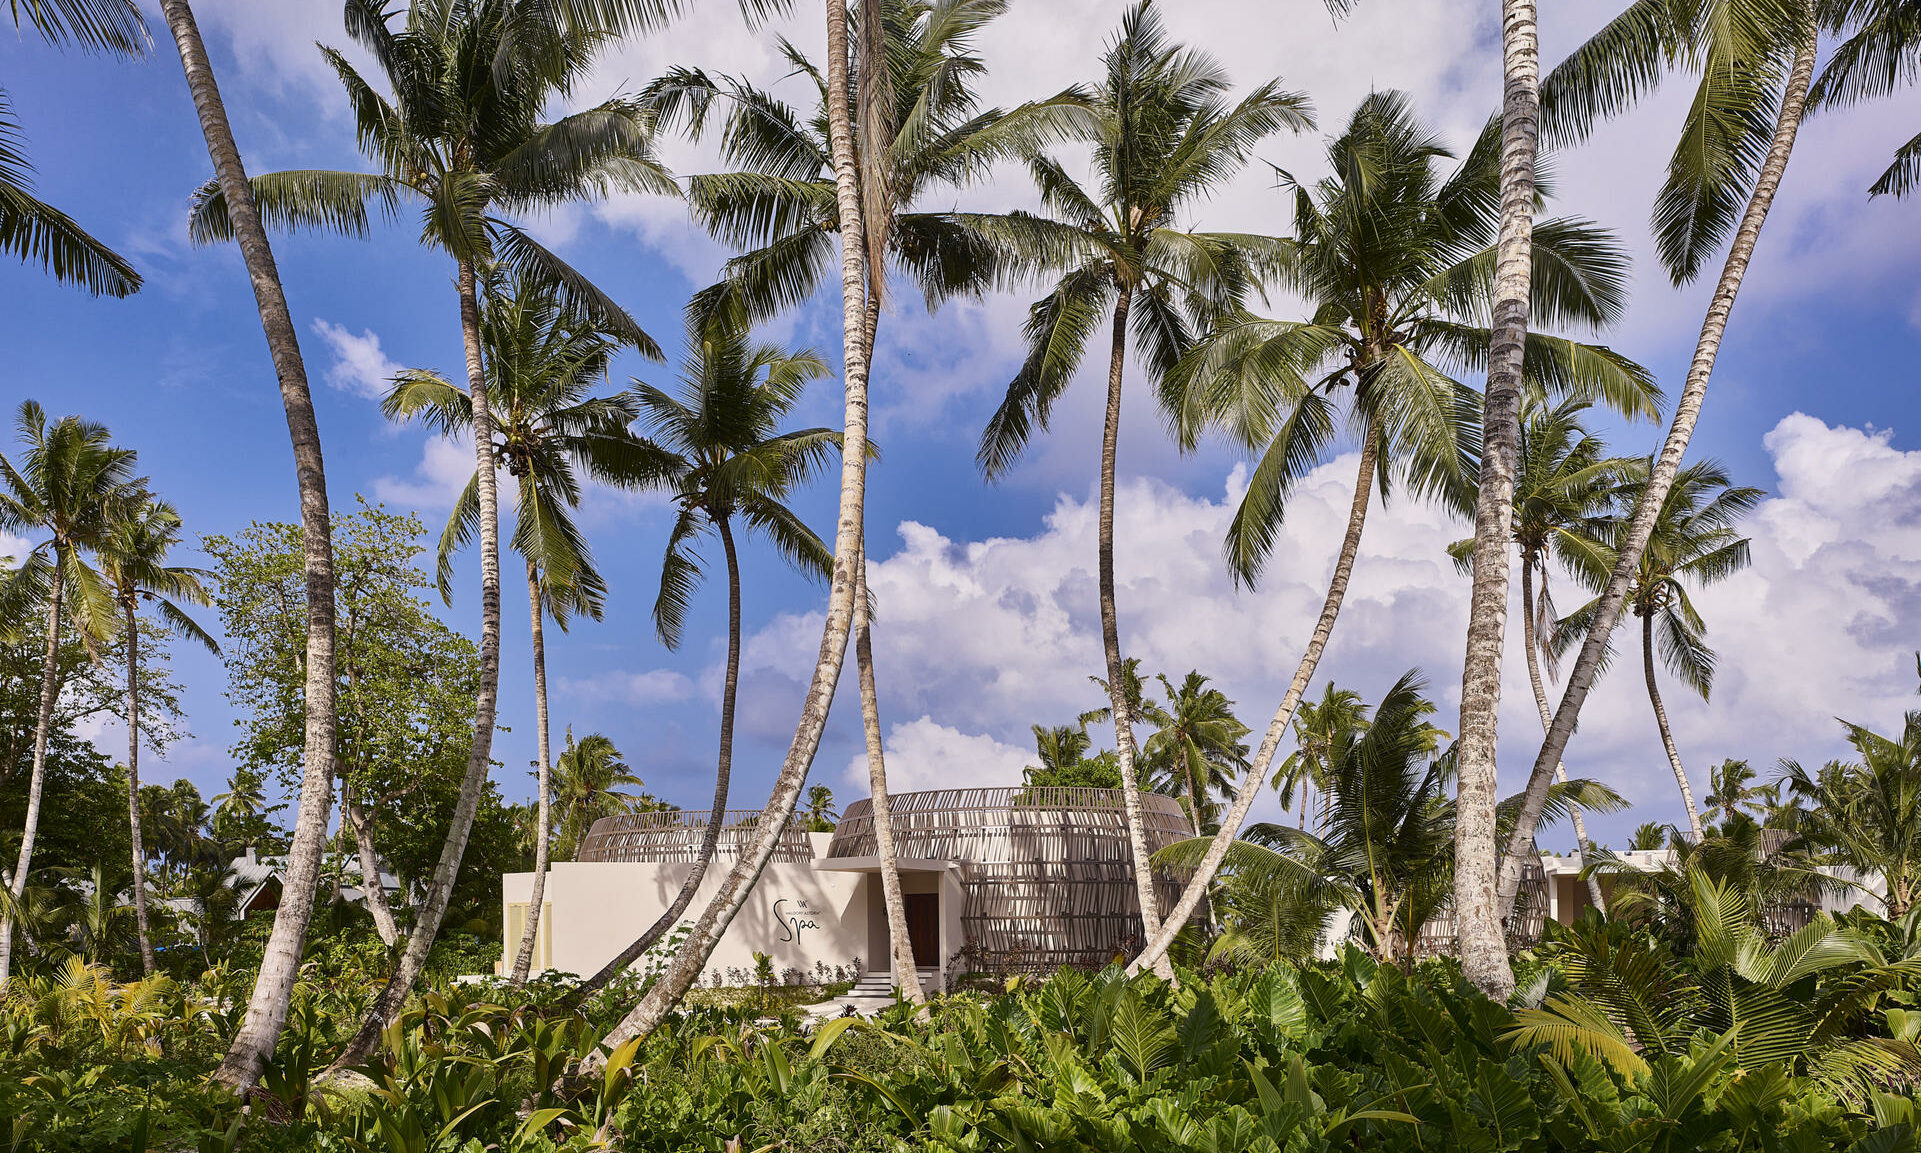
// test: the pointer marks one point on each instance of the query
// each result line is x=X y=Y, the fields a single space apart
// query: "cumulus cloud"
x=359 y=366
x=652 y=687
x=980 y=639
x=446 y=465
x=925 y=754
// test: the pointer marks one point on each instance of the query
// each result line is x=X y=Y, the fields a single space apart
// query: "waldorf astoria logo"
x=795 y=915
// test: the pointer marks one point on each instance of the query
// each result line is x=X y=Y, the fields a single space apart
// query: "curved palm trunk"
x=1687 y=412
x=1478 y=911
x=1584 y=848
x=838 y=627
x=376 y=893
x=133 y=787
x=899 y=945
x=280 y=962
x=49 y=692
x=1124 y=749
x=524 y=958
x=427 y=919
x=1210 y=863
x=1667 y=736
x=723 y=775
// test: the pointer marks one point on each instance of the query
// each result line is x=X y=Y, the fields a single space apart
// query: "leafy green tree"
x=1163 y=137
x=133 y=563
x=32 y=229
x=1394 y=255
x=550 y=434
x=1649 y=836
x=822 y=816
x=70 y=488
x=1062 y=751
x=1694 y=541
x=1196 y=749
x=1867 y=814
x=405 y=684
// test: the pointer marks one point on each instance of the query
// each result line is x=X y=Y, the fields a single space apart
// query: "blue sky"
x=987 y=621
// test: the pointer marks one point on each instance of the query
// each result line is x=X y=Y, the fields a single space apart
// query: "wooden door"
x=923 y=928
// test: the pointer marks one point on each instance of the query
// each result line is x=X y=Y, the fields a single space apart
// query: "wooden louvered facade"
x=1046 y=873
x=1524 y=927
x=675 y=836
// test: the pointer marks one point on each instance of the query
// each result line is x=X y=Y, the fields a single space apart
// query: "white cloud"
x=446 y=465
x=981 y=639
x=359 y=366
x=14 y=549
x=653 y=687
x=925 y=754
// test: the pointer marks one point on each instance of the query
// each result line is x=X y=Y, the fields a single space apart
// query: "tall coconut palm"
x=1732 y=792
x=1566 y=491
x=920 y=128
x=1164 y=136
x=464 y=135
x=838 y=624
x=133 y=562
x=550 y=434
x=1883 y=53
x=70 y=488
x=722 y=456
x=1867 y=814
x=1695 y=541
x=1476 y=908
x=1316 y=727
x=1196 y=749
x=1755 y=60
x=32 y=229
x=1395 y=255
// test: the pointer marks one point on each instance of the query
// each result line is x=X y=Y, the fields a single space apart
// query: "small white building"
x=994 y=881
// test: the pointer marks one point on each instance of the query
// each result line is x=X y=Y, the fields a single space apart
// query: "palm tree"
x=71 y=487
x=920 y=127
x=1731 y=792
x=253 y=1043
x=1868 y=814
x=542 y=365
x=32 y=229
x=1477 y=909
x=1163 y=137
x=589 y=782
x=1756 y=61
x=133 y=562
x=1395 y=258
x=1566 y=489
x=1196 y=747
x=718 y=450
x=1884 y=51
x=1694 y=542
x=821 y=814
x=1648 y=836
x=464 y=136
x=1316 y=728
x=838 y=624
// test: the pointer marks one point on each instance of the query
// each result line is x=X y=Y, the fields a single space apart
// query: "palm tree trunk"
x=1687 y=412
x=1584 y=848
x=716 y=817
x=370 y=884
x=427 y=918
x=1124 y=749
x=49 y=692
x=1193 y=801
x=524 y=958
x=900 y=946
x=133 y=787
x=838 y=627
x=1667 y=736
x=1478 y=912
x=1210 y=862
x=266 y=1013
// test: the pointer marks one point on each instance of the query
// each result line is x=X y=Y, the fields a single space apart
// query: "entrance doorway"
x=923 y=928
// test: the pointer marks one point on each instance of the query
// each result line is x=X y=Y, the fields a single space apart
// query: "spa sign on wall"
x=796 y=915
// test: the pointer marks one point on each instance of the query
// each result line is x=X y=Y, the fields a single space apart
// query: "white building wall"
x=798 y=916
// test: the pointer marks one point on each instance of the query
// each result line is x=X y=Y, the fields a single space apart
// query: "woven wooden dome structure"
x=1046 y=872
x=1524 y=927
x=675 y=836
